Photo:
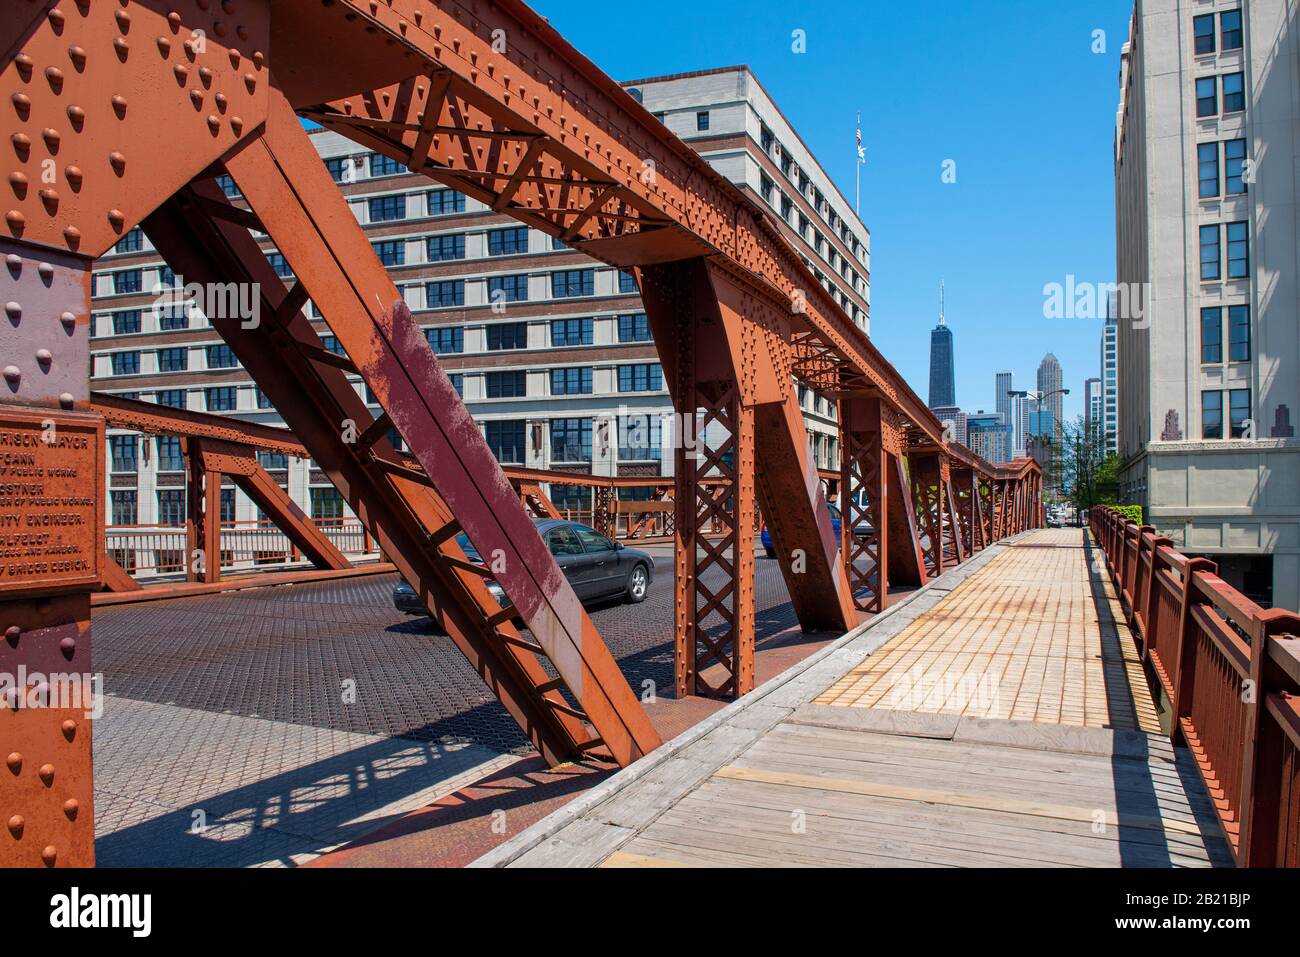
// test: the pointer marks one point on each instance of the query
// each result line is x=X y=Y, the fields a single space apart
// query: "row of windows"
x=801 y=181
x=174 y=359
x=438 y=202
x=1238 y=251
x=450 y=340
x=639 y=439
x=450 y=293
x=1229 y=35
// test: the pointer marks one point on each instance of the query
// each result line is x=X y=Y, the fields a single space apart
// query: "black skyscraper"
x=943 y=385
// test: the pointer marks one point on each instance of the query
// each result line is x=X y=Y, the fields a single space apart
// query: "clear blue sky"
x=1009 y=89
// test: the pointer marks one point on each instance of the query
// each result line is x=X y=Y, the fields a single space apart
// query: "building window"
x=1211 y=260
x=174 y=317
x=571 y=440
x=125 y=509
x=571 y=381
x=1238 y=251
x=170 y=457
x=1203 y=29
x=444 y=202
x=1239 y=412
x=508 y=289
x=627 y=282
x=635 y=328
x=126 y=363
x=127 y=281
x=643 y=377
x=1211 y=415
x=640 y=438
x=571 y=332
x=1234 y=164
x=1230 y=25
x=446 y=340
x=339 y=168
x=458 y=383
x=331 y=344
x=1207 y=96
x=221 y=398
x=171 y=507
x=443 y=249
x=381 y=165
x=132 y=242
x=507 y=441
x=280 y=265
x=1211 y=335
x=173 y=398
x=573 y=283
x=326 y=504
x=391 y=252
x=227 y=184
x=1239 y=333
x=508 y=242
x=385 y=209
x=506 y=385
x=766 y=139
x=221 y=357
x=510 y=335
x=558 y=244
x=702 y=121
x=444 y=294
x=173 y=360
x=766 y=188
x=1207 y=161
x=263 y=400
x=124 y=451
x=126 y=323
x=1234 y=93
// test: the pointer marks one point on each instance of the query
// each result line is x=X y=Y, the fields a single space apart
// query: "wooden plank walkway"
x=998 y=718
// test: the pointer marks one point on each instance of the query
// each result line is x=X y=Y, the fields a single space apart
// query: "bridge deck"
x=1000 y=718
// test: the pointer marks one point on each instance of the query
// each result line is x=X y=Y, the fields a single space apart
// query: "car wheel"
x=638 y=585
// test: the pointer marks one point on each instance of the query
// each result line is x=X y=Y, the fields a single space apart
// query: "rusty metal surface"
x=51 y=477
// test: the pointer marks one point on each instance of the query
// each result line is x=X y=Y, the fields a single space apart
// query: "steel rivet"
x=69 y=729
x=46 y=774
x=16 y=824
x=71 y=807
x=214 y=124
x=77 y=55
x=164 y=45
x=77 y=115
x=117 y=161
x=119 y=105
x=116 y=219
x=68 y=645
x=13 y=374
x=14 y=262
x=67 y=400
x=49 y=855
x=14 y=762
x=56 y=18
x=22 y=101
x=44 y=357
x=51 y=136
x=15 y=219
x=72 y=236
x=122 y=46
x=181 y=71
x=196 y=98
x=54 y=75
x=46 y=271
x=12 y=309
x=74 y=176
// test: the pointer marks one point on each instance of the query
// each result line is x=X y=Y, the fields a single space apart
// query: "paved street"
x=296 y=718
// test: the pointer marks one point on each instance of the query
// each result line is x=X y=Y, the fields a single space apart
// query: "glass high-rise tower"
x=943 y=385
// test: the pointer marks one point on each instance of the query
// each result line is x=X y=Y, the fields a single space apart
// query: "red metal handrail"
x=1231 y=671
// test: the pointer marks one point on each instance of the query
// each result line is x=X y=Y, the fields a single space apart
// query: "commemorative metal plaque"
x=51 y=520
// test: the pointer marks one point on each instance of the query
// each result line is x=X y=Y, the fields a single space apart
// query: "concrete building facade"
x=1206 y=214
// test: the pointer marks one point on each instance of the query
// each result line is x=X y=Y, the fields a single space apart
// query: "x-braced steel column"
x=726 y=358
x=202 y=516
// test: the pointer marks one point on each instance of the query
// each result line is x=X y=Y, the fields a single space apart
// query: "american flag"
x=862 y=150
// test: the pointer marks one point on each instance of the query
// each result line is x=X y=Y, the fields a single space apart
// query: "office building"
x=1209 y=373
x=551 y=350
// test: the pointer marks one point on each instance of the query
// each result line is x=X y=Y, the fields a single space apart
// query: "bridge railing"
x=1231 y=673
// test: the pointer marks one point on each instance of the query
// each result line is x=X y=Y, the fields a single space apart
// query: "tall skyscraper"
x=943 y=384
x=1050 y=383
x=1207 y=223
x=1002 y=382
x=1110 y=385
x=1019 y=418
x=1094 y=422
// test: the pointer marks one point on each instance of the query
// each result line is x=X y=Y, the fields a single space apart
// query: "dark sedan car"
x=595 y=566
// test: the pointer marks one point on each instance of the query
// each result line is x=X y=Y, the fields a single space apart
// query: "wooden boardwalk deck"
x=998 y=718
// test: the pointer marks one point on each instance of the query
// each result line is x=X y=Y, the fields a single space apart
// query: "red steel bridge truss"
x=123 y=112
